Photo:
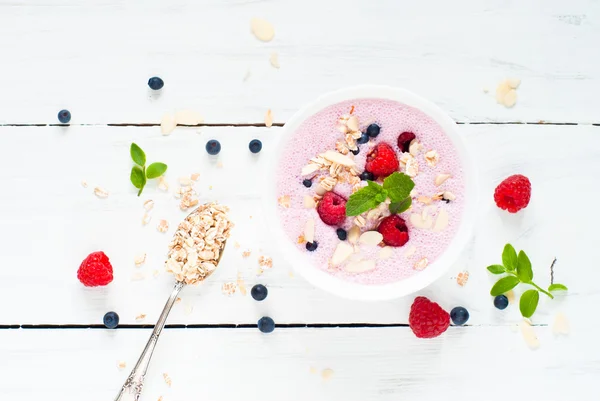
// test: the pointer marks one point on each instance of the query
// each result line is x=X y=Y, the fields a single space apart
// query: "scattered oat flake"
x=246 y=254
x=121 y=365
x=264 y=261
x=274 y=60
x=84 y=184
x=139 y=259
x=167 y=379
x=185 y=181
x=146 y=219
x=284 y=201
x=236 y=245
x=561 y=324
x=228 y=288
x=149 y=204
x=101 y=192
x=163 y=185
x=140 y=317
x=195 y=176
x=167 y=124
x=529 y=335
x=462 y=278
x=163 y=226
x=177 y=300
x=262 y=29
x=241 y=284
x=327 y=374
x=269 y=118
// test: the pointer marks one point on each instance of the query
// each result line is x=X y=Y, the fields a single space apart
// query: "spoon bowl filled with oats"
x=194 y=254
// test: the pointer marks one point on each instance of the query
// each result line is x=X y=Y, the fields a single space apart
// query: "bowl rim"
x=372 y=292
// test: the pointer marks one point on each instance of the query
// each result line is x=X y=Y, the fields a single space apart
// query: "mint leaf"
x=496 y=269
x=509 y=258
x=529 y=302
x=402 y=206
x=155 y=170
x=504 y=285
x=137 y=155
x=398 y=186
x=138 y=178
x=558 y=287
x=364 y=199
x=524 y=271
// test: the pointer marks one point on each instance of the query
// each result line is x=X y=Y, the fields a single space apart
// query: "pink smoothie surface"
x=319 y=134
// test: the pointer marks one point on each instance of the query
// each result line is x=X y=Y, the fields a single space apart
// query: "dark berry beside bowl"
x=213 y=147
x=155 y=83
x=111 y=320
x=266 y=325
x=259 y=292
x=64 y=116
x=255 y=146
x=459 y=315
x=501 y=302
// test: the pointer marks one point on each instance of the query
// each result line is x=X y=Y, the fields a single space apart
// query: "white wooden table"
x=94 y=58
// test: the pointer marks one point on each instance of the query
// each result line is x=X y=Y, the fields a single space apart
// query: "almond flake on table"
x=188 y=117
x=84 y=183
x=195 y=176
x=140 y=317
x=506 y=93
x=163 y=185
x=121 y=365
x=274 y=60
x=269 y=118
x=167 y=379
x=561 y=324
x=146 y=219
x=262 y=29
x=101 y=192
x=241 y=284
x=167 y=124
x=529 y=335
x=327 y=374
x=140 y=259
x=148 y=205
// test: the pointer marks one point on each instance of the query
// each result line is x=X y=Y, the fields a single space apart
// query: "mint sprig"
x=397 y=187
x=140 y=174
x=519 y=271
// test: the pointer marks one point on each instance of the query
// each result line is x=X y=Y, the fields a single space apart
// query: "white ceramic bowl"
x=300 y=261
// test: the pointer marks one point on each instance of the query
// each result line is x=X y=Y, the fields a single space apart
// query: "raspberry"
x=95 y=270
x=394 y=230
x=382 y=161
x=427 y=319
x=404 y=140
x=332 y=209
x=513 y=194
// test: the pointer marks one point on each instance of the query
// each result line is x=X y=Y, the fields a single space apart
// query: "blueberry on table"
x=501 y=302
x=365 y=175
x=259 y=292
x=64 y=116
x=373 y=130
x=111 y=320
x=364 y=138
x=307 y=183
x=155 y=83
x=213 y=147
x=255 y=146
x=342 y=234
x=459 y=315
x=266 y=324
x=312 y=246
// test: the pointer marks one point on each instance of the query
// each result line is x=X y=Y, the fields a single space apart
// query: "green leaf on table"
x=496 y=269
x=364 y=199
x=524 y=271
x=504 y=285
x=402 y=206
x=529 y=302
x=558 y=287
x=398 y=186
x=155 y=170
x=137 y=177
x=137 y=155
x=509 y=257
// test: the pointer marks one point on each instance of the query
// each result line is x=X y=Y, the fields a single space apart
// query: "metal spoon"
x=132 y=389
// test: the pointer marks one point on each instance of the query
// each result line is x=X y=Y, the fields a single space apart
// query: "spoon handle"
x=132 y=389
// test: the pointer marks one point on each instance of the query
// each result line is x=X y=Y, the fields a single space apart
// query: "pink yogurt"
x=319 y=134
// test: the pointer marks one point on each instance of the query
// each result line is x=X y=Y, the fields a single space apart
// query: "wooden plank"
x=50 y=223
x=95 y=58
x=365 y=364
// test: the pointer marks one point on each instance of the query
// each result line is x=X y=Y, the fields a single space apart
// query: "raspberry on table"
x=427 y=319
x=394 y=230
x=95 y=270
x=382 y=161
x=513 y=194
x=332 y=209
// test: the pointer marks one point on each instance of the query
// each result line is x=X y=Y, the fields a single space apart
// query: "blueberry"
x=307 y=183
x=459 y=315
x=365 y=175
x=111 y=320
x=155 y=83
x=373 y=130
x=355 y=152
x=255 y=146
x=501 y=302
x=364 y=138
x=312 y=246
x=213 y=147
x=266 y=325
x=259 y=292
x=342 y=234
x=64 y=116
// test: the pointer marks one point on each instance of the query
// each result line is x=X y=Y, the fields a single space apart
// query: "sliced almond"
x=360 y=266
x=442 y=221
x=185 y=181
x=432 y=158
x=421 y=264
x=415 y=147
x=195 y=176
x=418 y=221
x=309 y=230
x=269 y=118
x=101 y=192
x=148 y=205
x=529 y=335
x=353 y=234
x=412 y=167
x=310 y=169
x=84 y=183
x=441 y=178
x=341 y=253
x=426 y=200
x=139 y=259
x=320 y=190
x=371 y=238
x=167 y=124
x=262 y=29
x=501 y=90
x=309 y=202
x=352 y=123
x=410 y=251
x=274 y=60
x=510 y=99
x=513 y=82
x=338 y=158
x=385 y=252
x=449 y=196
x=188 y=117
x=561 y=324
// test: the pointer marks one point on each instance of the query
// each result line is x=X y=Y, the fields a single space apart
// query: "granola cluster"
x=198 y=243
